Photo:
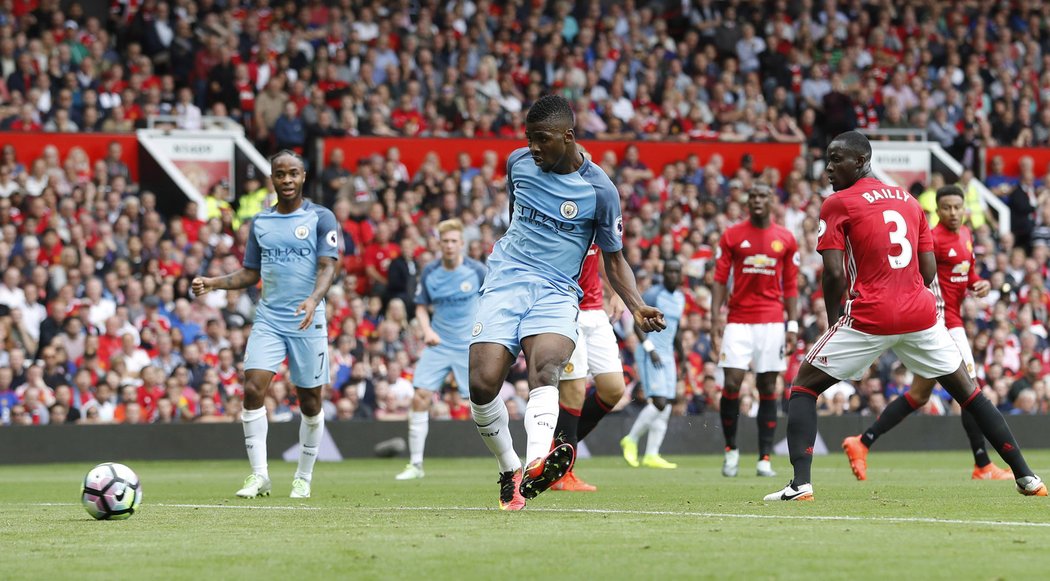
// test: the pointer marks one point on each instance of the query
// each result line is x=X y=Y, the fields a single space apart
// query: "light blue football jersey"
x=454 y=296
x=554 y=220
x=672 y=305
x=285 y=249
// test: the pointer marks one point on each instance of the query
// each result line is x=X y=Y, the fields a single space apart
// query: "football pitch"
x=917 y=517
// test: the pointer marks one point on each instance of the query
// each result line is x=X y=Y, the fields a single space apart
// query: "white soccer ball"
x=111 y=491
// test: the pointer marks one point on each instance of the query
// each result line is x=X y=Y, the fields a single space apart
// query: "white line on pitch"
x=710 y=515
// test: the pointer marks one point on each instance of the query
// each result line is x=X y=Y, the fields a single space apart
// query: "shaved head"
x=856 y=143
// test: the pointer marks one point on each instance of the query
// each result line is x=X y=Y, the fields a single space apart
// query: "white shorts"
x=760 y=345
x=596 y=350
x=845 y=353
x=958 y=335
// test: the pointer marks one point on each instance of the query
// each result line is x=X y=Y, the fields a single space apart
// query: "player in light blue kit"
x=294 y=248
x=450 y=285
x=560 y=204
x=654 y=357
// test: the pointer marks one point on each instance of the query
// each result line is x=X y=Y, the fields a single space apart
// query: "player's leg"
x=767 y=420
x=933 y=353
x=657 y=431
x=264 y=353
x=603 y=362
x=769 y=363
x=308 y=366
x=546 y=355
x=856 y=447
x=983 y=467
x=572 y=390
x=647 y=376
x=738 y=348
x=841 y=352
x=428 y=377
x=729 y=413
x=493 y=349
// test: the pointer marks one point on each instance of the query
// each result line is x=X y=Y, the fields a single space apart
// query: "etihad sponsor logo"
x=279 y=255
x=886 y=194
x=537 y=217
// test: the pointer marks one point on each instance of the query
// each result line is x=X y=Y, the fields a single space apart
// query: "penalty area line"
x=599 y=511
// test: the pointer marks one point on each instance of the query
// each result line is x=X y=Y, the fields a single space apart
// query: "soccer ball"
x=111 y=491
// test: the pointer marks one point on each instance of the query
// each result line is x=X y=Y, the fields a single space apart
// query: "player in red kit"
x=762 y=259
x=598 y=355
x=956 y=275
x=876 y=244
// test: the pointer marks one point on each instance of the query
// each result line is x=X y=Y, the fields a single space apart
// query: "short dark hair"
x=855 y=142
x=553 y=109
x=285 y=152
x=950 y=190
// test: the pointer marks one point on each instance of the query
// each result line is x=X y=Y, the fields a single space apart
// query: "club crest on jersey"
x=569 y=210
x=466 y=286
x=477 y=329
x=569 y=367
x=777 y=246
x=301 y=232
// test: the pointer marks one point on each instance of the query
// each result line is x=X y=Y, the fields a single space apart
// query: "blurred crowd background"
x=97 y=323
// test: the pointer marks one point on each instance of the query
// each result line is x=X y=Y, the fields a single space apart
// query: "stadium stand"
x=96 y=319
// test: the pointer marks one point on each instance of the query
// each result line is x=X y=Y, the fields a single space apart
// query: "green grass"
x=642 y=524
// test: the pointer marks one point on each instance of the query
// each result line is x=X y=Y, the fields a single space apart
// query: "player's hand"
x=308 y=306
x=790 y=342
x=431 y=338
x=716 y=341
x=649 y=319
x=981 y=288
x=202 y=285
x=616 y=308
x=655 y=358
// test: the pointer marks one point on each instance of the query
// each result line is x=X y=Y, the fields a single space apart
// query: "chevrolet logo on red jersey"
x=760 y=261
x=961 y=268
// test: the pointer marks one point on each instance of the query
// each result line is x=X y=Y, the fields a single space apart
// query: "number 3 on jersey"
x=898 y=236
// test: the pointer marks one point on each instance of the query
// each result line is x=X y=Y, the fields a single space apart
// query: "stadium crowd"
x=97 y=322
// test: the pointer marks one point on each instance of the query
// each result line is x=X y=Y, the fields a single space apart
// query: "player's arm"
x=247 y=276
x=833 y=283
x=978 y=285
x=243 y=278
x=790 y=286
x=423 y=316
x=616 y=306
x=719 y=292
x=621 y=278
x=648 y=346
x=928 y=267
x=327 y=267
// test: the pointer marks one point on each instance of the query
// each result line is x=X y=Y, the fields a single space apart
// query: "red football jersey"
x=764 y=264
x=881 y=229
x=956 y=271
x=590 y=282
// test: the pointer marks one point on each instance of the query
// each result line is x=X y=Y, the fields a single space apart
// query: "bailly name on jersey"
x=877 y=195
x=541 y=219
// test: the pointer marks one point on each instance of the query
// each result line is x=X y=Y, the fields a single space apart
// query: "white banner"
x=905 y=166
x=204 y=161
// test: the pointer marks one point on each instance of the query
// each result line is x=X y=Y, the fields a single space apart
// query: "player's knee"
x=421 y=400
x=310 y=407
x=610 y=390
x=484 y=384
x=546 y=373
